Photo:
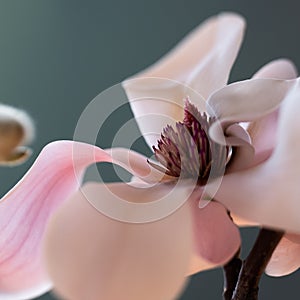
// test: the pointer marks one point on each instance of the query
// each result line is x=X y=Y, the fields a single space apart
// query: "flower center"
x=187 y=151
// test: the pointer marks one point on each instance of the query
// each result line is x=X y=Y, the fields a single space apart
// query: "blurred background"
x=57 y=55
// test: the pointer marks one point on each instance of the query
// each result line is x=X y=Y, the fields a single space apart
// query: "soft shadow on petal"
x=116 y=260
x=269 y=193
x=217 y=238
x=242 y=150
x=25 y=210
x=285 y=259
x=130 y=202
x=263 y=131
x=155 y=103
x=199 y=65
x=16 y=130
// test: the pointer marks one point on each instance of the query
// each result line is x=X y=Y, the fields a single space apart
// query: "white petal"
x=248 y=100
x=278 y=69
x=199 y=65
x=269 y=193
x=263 y=131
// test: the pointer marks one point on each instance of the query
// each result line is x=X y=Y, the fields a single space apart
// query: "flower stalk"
x=231 y=275
x=247 y=285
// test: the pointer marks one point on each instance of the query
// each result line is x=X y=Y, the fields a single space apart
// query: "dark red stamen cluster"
x=187 y=151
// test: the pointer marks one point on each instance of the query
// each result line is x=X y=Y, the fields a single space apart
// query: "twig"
x=255 y=264
x=231 y=274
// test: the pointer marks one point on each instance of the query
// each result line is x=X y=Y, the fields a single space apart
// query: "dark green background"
x=56 y=56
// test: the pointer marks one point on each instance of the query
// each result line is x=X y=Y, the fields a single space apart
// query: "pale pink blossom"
x=89 y=254
x=166 y=251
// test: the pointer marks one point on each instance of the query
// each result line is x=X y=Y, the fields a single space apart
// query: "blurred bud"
x=16 y=131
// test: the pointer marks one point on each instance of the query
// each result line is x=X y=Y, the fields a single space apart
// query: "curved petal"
x=241 y=102
x=242 y=150
x=137 y=164
x=278 y=69
x=285 y=259
x=247 y=100
x=263 y=131
x=217 y=238
x=16 y=128
x=25 y=210
x=116 y=260
x=269 y=193
x=199 y=65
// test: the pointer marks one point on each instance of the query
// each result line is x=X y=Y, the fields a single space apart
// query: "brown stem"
x=231 y=274
x=255 y=264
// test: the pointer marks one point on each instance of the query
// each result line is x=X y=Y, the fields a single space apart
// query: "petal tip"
x=233 y=16
x=282 y=68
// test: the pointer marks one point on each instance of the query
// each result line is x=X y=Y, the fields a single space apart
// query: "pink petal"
x=285 y=259
x=269 y=193
x=199 y=65
x=217 y=238
x=25 y=210
x=263 y=131
x=90 y=255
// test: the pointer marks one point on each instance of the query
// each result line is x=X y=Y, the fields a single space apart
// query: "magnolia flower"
x=165 y=247
x=90 y=254
x=189 y=239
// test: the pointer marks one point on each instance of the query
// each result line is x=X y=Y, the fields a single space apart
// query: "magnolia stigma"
x=186 y=150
